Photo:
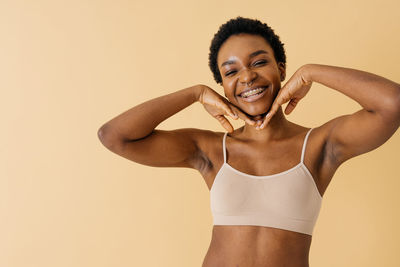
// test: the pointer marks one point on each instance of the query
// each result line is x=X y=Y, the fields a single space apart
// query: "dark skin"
x=263 y=140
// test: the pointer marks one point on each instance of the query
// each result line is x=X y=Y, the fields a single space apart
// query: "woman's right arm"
x=132 y=134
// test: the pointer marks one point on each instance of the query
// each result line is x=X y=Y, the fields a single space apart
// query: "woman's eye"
x=229 y=73
x=260 y=62
x=257 y=63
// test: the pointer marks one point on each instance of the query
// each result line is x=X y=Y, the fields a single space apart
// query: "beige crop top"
x=287 y=200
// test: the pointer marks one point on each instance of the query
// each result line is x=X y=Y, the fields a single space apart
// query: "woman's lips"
x=254 y=97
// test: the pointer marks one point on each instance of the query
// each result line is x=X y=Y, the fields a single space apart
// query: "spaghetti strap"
x=224 y=147
x=304 y=145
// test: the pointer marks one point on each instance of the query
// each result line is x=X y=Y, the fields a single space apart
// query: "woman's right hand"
x=219 y=107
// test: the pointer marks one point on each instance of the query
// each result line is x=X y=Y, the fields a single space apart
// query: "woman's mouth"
x=253 y=94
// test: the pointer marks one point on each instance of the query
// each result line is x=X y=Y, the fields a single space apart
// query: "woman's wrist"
x=198 y=92
x=306 y=73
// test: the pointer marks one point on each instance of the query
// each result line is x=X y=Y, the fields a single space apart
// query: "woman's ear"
x=282 y=70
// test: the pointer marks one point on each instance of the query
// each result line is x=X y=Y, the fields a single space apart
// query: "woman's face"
x=250 y=75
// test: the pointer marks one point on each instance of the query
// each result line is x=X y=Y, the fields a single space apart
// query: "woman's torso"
x=247 y=245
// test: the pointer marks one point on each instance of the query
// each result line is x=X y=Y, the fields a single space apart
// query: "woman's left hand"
x=294 y=90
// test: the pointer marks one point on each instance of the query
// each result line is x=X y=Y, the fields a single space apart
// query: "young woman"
x=267 y=178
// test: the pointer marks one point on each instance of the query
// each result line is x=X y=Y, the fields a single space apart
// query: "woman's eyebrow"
x=256 y=53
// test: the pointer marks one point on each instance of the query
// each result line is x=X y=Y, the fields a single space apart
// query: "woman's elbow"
x=107 y=136
x=392 y=108
x=390 y=104
x=397 y=100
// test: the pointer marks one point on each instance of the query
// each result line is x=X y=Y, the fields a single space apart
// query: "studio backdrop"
x=67 y=67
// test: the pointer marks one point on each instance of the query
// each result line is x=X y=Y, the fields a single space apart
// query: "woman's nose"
x=247 y=76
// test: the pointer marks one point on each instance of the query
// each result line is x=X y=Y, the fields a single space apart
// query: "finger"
x=243 y=116
x=263 y=123
x=227 y=109
x=292 y=104
x=279 y=100
x=225 y=123
x=270 y=114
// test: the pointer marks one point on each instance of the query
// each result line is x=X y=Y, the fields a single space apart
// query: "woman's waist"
x=261 y=244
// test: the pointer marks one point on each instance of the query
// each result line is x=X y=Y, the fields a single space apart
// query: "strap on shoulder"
x=224 y=147
x=304 y=145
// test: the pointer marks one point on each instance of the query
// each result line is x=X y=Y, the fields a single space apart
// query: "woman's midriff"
x=256 y=246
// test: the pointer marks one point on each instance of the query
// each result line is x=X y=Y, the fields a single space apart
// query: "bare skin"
x=263 y=140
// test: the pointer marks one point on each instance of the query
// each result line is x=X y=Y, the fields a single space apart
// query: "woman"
x=267 y=178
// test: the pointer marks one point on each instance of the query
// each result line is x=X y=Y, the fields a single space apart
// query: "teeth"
x=252 y=92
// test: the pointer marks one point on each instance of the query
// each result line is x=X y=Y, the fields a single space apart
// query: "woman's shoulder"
x=202 y=134
x=318 y=132
x=205 y=139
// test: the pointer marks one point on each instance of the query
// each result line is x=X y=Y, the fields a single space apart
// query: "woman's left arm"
x=357 y=133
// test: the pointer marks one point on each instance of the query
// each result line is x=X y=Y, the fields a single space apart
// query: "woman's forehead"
x=241 y=46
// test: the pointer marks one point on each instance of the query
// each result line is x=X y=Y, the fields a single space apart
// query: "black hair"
x=243 y=25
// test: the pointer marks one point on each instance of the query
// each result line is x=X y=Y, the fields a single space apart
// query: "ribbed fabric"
x=287 y=200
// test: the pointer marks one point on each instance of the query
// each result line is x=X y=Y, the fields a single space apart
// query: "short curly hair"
x=243 y=25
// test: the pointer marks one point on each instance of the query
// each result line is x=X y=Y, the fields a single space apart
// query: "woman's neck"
x=275 y=128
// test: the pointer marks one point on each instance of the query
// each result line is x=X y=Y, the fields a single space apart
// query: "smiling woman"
x=251 y=58
x=268 y=177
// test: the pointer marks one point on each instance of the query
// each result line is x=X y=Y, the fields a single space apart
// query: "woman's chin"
x=256 y=110
x=257 y=117
x=257 y=114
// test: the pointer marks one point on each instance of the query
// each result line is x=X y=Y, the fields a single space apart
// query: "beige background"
x=66 y=67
